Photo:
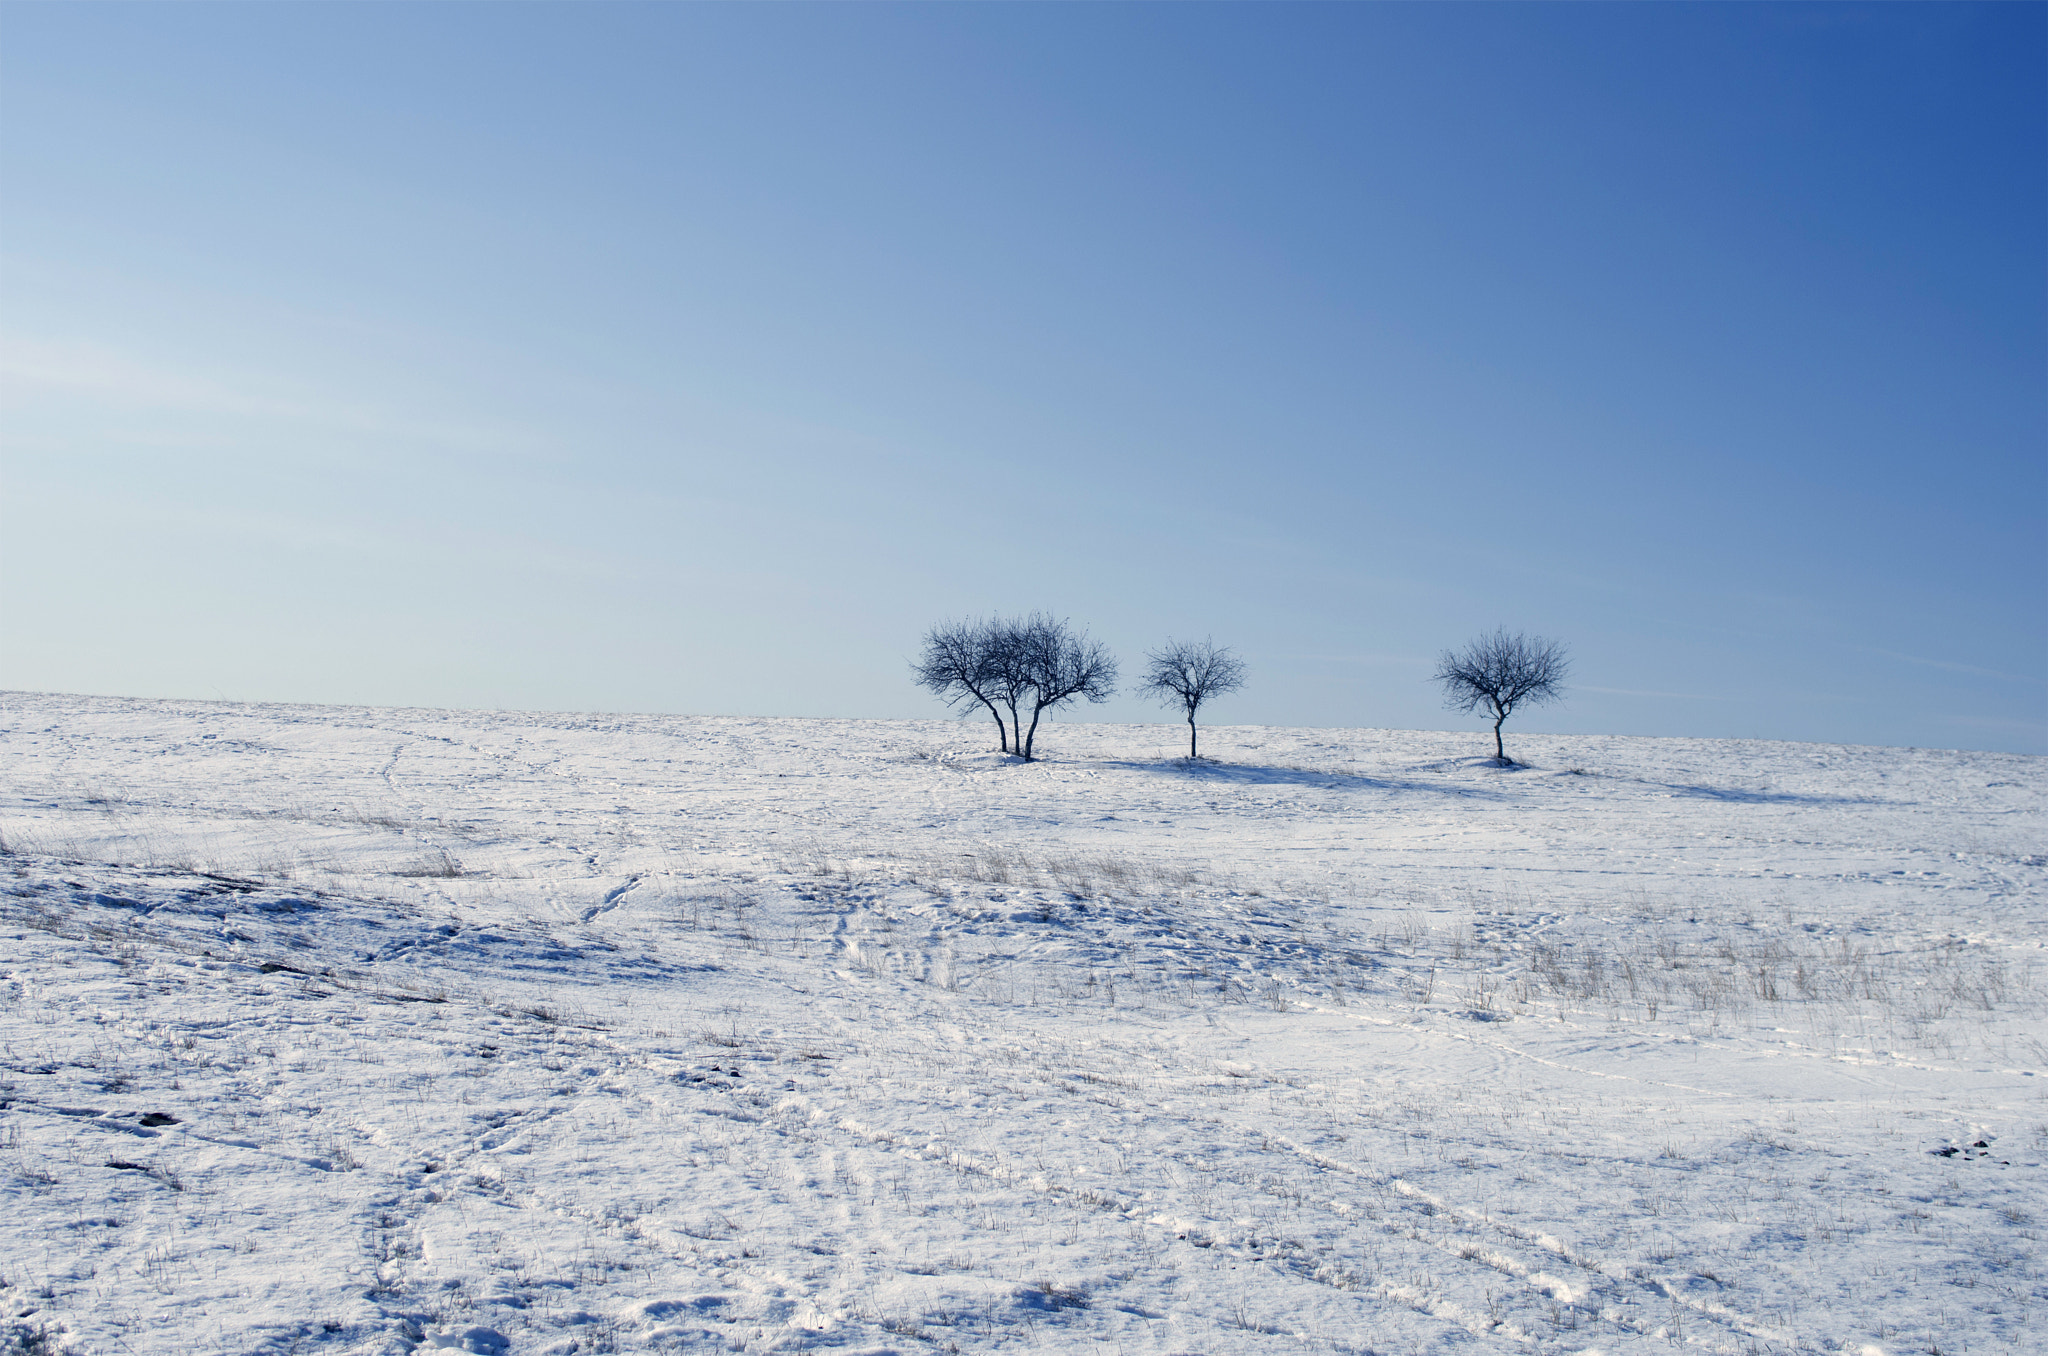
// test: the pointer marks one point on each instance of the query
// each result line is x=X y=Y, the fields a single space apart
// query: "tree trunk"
x=1016 y=744
x=1002 y=731
x=1031 y=736
x=1499 y=752
x=1191 y=736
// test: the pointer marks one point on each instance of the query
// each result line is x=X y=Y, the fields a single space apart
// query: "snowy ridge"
x=328 y=1029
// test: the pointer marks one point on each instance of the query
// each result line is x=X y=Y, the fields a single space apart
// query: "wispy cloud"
x=2037 y=728
x=1636 y=692
x=96 y=371
x=1373 y=660
x=439 y=546
x=1953 y=667
x=31 y=366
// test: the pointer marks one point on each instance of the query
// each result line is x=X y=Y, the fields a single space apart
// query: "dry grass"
x=1081 y=875
x=439 y=864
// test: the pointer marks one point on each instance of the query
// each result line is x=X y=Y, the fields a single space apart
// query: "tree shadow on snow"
x=1756 y=797
x=1274 y=774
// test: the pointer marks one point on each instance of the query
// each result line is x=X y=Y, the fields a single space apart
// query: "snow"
x=349 y=1030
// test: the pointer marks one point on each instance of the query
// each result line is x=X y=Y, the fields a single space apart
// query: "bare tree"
x=963 y=662
x=1190 y=672
x=1014 y=664
x=1050 y=665
x=1499 y=672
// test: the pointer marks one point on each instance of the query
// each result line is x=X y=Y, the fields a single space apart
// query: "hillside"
x=345 y=1030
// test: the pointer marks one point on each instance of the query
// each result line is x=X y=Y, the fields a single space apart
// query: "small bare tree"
x=1499 y=672
x=1014 y=664
x=1190 y=672
x=963 y=662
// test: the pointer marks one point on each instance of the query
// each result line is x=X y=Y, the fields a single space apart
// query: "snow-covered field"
x=348 y=1030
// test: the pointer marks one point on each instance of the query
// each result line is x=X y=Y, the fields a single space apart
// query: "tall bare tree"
x=1051 y=665
x=1498 y=673
x=1190 y=672
x=1017 y=665
x=963 y=662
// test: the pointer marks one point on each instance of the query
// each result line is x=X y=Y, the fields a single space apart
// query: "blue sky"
x=695 y=358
